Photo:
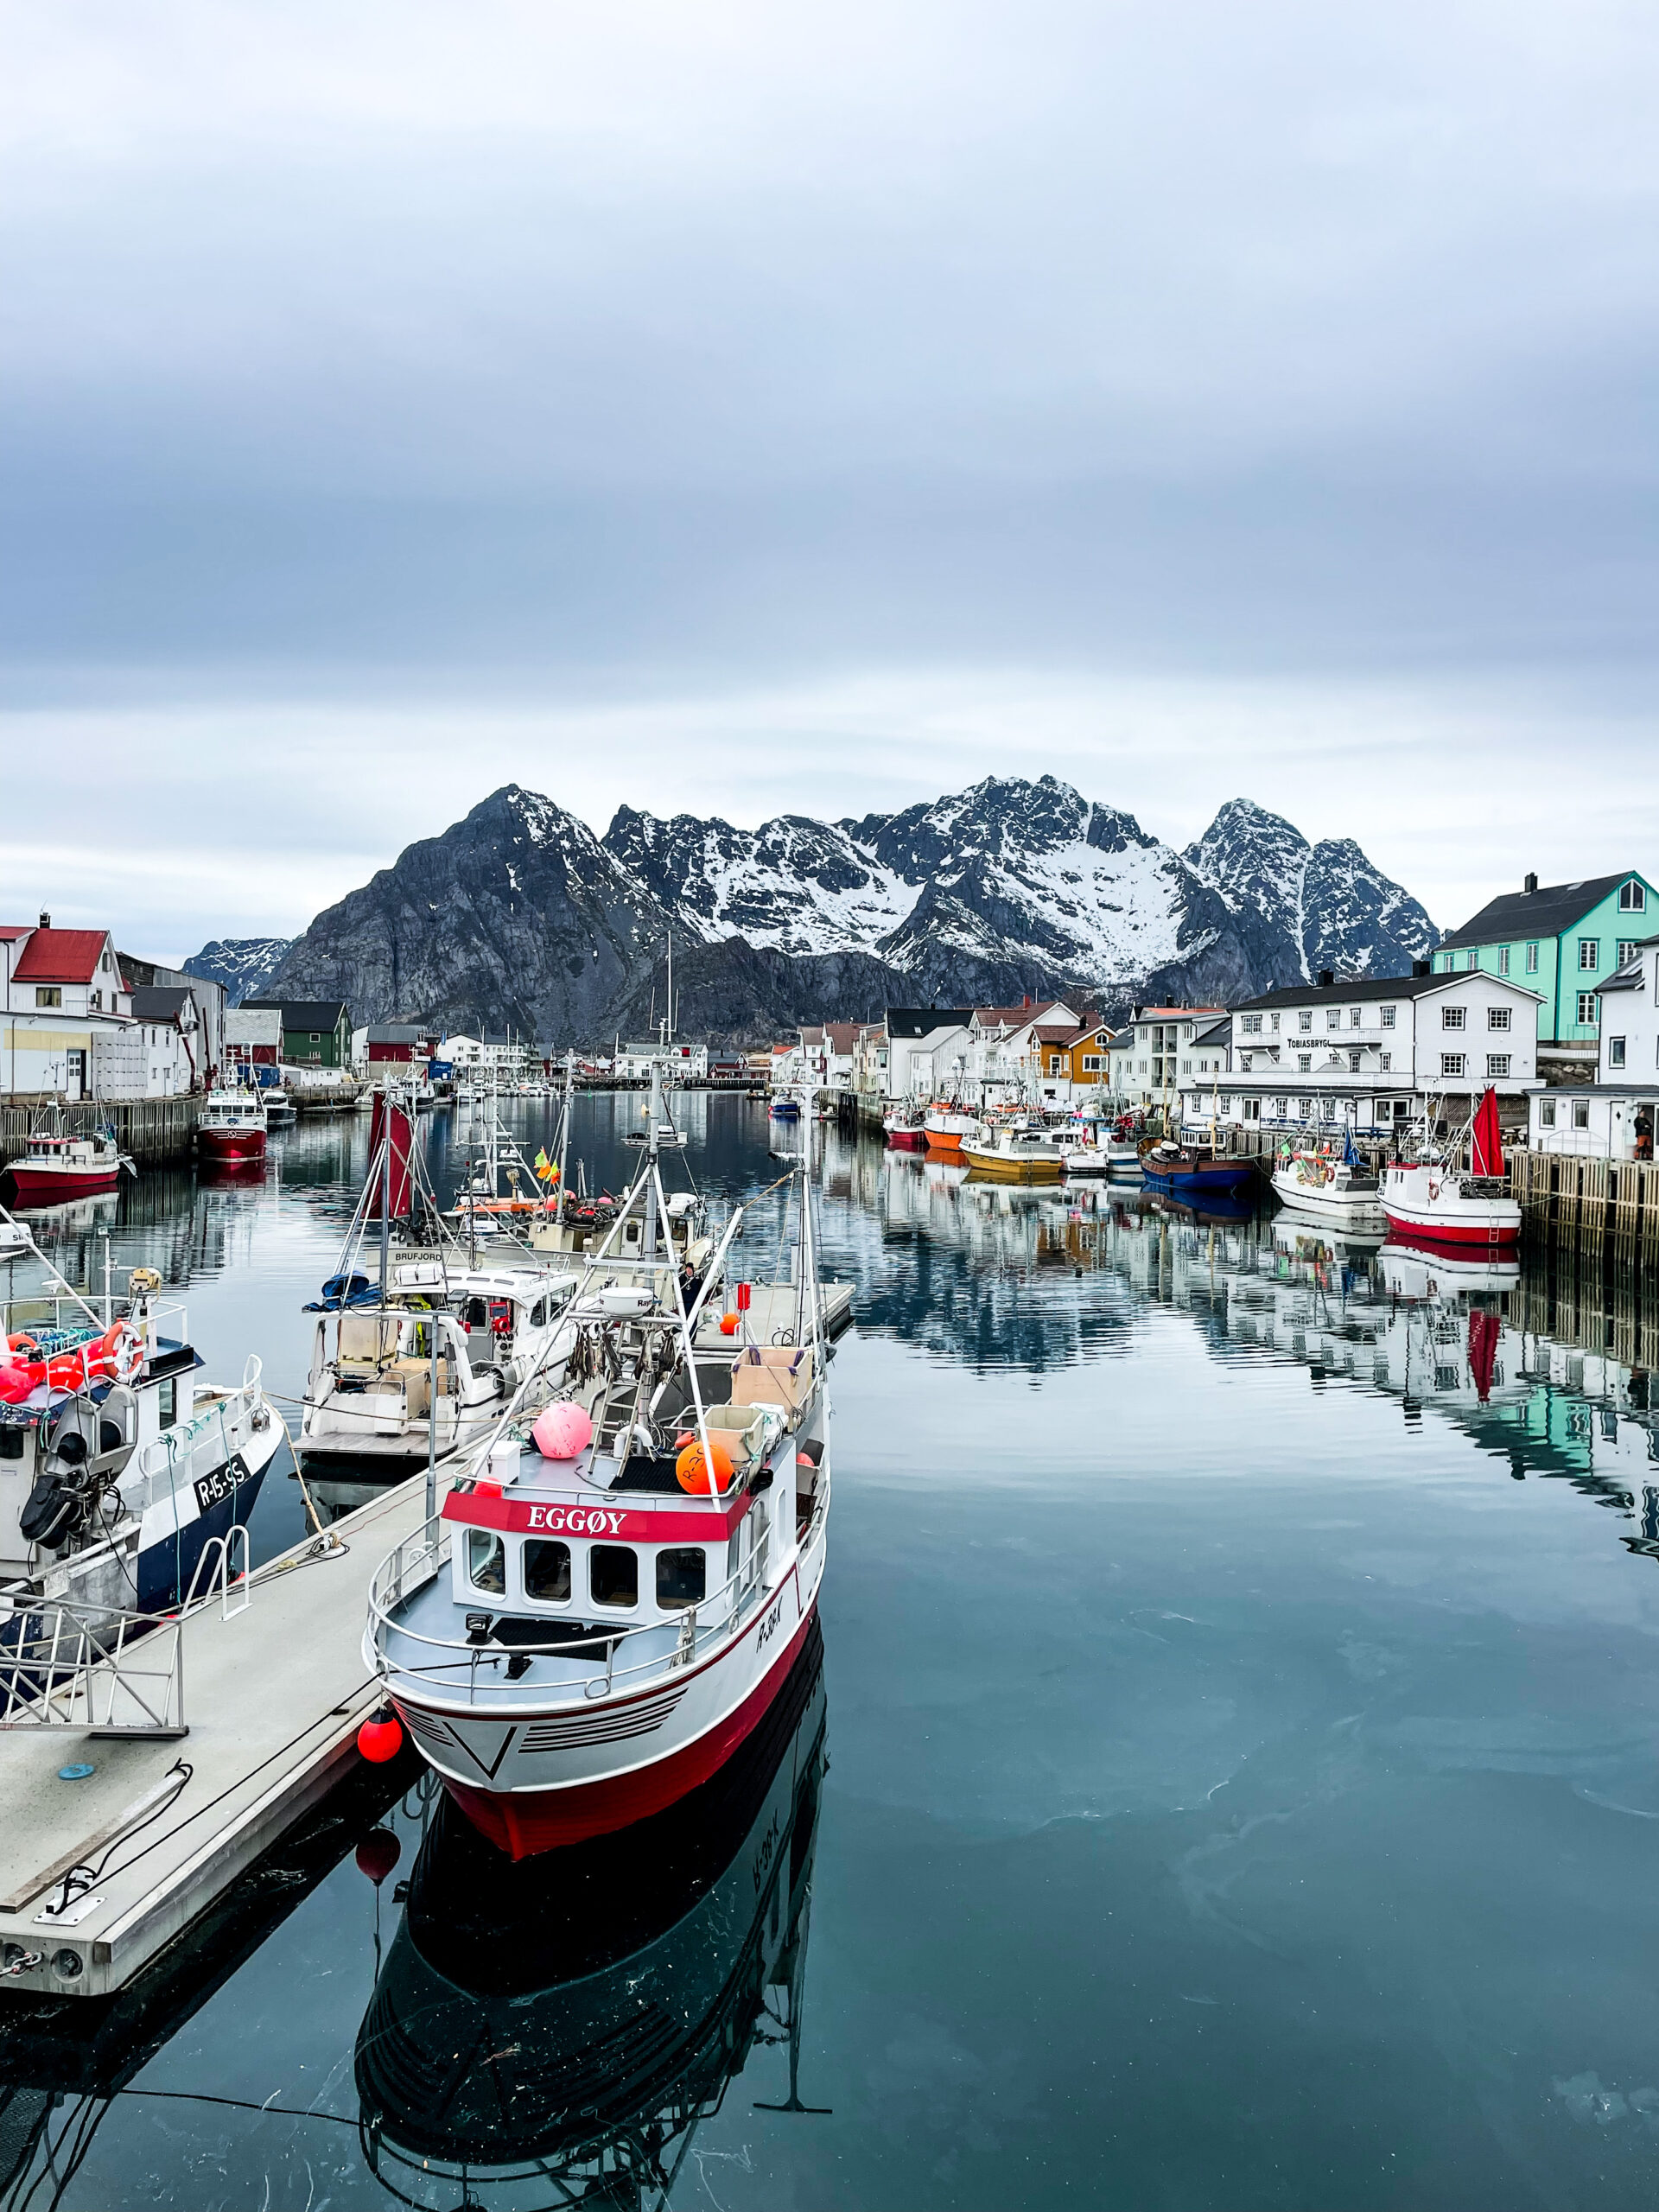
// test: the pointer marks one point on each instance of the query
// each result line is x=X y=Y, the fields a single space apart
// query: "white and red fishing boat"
x=615 y=1590
x=59 y=1164
x=1430 y=1200
x=945 y=1126
x=903 y=1128
x=231 y=1127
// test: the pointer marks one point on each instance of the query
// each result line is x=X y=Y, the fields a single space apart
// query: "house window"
x=1353 y=1017
x=1252 y=1025
x=1354 y=1060
x=1632 y=899
x=1333 y=1017
x=1589 y=955
x=1497 y=1064
x=1225 y=1105
x=1091 y=1064
x=1252 y=1109
x=314 y=1038
x=1614 y=1052
x=1504 y=960
x=1588 y=1008
x=681 y=1576
x=1385 y=1061
x=1628 y=949
x=614 y=1574
x=1388 y=1017
x=487 y=1564
x=1472 y=960
x=1141 y=1068
x=547 y=1573
x=1304 y=1110
x=1275 y=1021
x=48 y=995
x=1304 y=1062
x=1450 y=1063
x=1532 y=960
x=1329 y=1109
x=1186 y=1066
x=1451 y=1017
x=1546 y=1112
x=1281 y=1109
x=1580 y=1113
x=1053 y=1064
x=1305 y=1019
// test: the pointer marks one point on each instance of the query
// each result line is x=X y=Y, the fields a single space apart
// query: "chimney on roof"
x=46 y=920
x=1531 y=884
x=1326 y=979
x=1026 y=1000
x=1421 y=967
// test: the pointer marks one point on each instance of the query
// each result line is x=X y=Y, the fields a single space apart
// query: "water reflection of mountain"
x=556 y=2030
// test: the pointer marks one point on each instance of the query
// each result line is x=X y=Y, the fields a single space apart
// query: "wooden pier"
x=1568 y=1200
x=259 y=1691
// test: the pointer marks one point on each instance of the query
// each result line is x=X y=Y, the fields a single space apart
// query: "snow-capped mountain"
x=519 y=916
x=244 y=964
x=1336 y=910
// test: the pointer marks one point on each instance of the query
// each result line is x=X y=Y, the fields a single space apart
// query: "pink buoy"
x=562 y=1430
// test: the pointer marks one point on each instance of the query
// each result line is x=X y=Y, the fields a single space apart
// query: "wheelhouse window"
x=486 y=1562
x=681 y=1576
x=614 y=1574
x=547 y=1571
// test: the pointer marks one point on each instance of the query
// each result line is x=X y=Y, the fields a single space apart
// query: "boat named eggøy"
x=614 y=1594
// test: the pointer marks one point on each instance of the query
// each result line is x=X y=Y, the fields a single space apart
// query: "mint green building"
x=1560 y=942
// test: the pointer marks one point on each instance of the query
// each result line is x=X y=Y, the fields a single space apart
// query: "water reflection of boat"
x=1230 y=1206
x=1415 y=1268
x=569 y=2021
x=1313 y=1242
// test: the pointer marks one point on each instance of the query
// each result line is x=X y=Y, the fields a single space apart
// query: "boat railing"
x=713 y=1620
x=211 y=1431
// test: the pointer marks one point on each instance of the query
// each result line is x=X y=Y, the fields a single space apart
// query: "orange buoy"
x=693 y=1475
x=728 y=1324
x=381 y=1737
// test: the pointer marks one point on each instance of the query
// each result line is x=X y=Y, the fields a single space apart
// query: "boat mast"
x=386 y=1187
x=564 y=1133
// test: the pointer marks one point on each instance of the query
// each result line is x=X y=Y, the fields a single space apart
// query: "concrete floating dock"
x=272 y=1698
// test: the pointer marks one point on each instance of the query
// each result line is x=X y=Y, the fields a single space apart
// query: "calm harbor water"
x=1232 y=1779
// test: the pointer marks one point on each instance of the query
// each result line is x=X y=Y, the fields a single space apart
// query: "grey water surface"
x=1240 y=1697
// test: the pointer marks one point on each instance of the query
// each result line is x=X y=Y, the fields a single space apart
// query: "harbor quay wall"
x=150 y=1131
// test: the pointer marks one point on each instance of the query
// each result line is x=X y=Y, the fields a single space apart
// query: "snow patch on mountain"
x=244 y=964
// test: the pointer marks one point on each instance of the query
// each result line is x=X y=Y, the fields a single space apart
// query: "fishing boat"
x=118 y=1468
x=1330 y=1185
x=1188 y=1170
x=946 y=1126
x=620 y=1988
x=1015 y=1154
x=280 y=1109
x=59 y=1164
x=616 y=1590
x=785 y=1106
x=230 y=1128
x=1430 y=1199
x=902 y=1126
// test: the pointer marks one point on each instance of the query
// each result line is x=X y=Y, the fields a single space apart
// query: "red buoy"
x=381 y=1737
x=378 y=1853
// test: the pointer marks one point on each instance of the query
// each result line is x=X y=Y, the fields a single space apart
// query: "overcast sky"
x=742 y=408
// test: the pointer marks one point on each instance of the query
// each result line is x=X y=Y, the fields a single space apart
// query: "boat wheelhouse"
x=231 y=1127
x=614 y=1594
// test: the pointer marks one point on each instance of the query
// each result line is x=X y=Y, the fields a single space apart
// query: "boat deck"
x=273 y=1698
x=771 y=1310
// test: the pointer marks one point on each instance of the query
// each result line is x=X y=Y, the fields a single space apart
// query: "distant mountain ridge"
x=244 y=964
x=520 y=916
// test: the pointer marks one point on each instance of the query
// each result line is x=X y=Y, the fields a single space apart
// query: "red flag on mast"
x=1486 y=1150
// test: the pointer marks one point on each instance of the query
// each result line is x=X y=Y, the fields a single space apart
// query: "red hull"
x=525 y=1823
x=907 y=1139
x=34 y=1189
x=229 y=1145
x=1453 y=1236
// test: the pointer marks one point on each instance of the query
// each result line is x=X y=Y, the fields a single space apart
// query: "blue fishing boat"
x=1188 y=1170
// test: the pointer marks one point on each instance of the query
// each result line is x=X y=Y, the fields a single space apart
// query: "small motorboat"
x=946 y=1128
x=280 y=1109
x=58 y=1164
x=1082 y=1161
x=904 y=1129
x=1431 y=1199
x=232 y=1127
x=785 y=1107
